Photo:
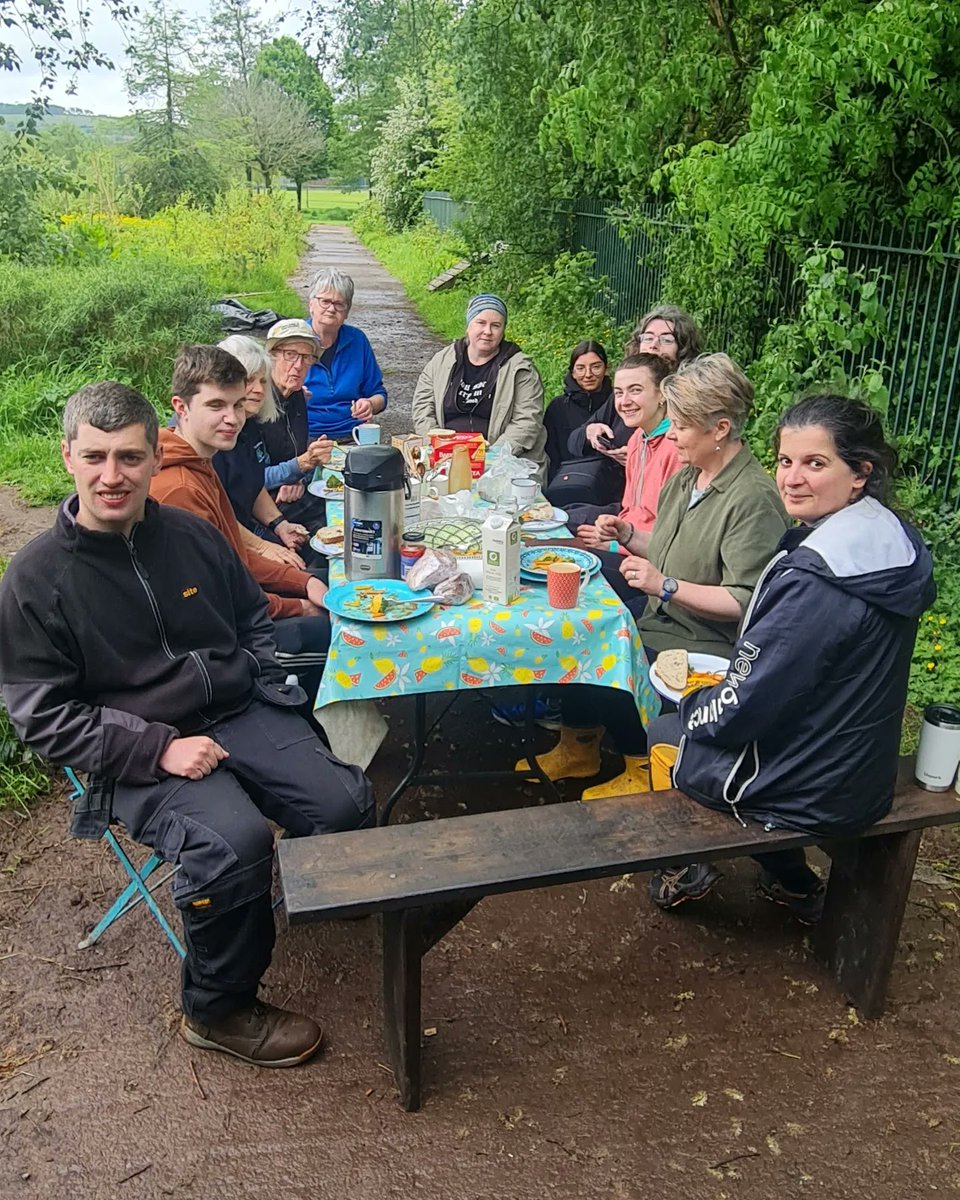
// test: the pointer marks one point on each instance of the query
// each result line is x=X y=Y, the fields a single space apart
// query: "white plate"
x=318 y=487
x=698 y=662
x=559 y=520
x=323 y=548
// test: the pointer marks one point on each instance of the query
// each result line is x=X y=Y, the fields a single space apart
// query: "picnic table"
x=481 y=645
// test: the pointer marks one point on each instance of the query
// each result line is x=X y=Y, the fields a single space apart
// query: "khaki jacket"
x=516 y=419
x=725 y=540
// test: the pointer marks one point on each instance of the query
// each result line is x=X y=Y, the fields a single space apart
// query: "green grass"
x=330 y=206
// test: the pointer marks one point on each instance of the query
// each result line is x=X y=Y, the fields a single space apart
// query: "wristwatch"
x=280 y=520
x=670 y=586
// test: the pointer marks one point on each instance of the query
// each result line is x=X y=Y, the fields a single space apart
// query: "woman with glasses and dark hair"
x=666 y=331
x=345 y=384
x=585 y=388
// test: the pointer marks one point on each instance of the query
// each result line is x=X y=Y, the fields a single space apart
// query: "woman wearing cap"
x=293 y=348
x=484 y=384
x=345 y=384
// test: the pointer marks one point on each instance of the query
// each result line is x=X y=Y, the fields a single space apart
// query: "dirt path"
x=585 y=1045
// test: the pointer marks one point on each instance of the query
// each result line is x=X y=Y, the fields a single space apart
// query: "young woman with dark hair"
x=804 y=731
x=585 y=388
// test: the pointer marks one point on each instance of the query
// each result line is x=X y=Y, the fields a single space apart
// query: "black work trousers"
x=217 y=829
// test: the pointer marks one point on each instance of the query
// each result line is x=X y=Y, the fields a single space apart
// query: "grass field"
x=329 y=206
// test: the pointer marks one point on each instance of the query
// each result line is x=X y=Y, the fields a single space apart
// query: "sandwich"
x=538 y=512
x=673 y=666
x=330 y=535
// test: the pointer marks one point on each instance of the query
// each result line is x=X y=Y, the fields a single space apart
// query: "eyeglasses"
x=589 y=368
x=335 y=305
x=291 y=356
x=657 y=339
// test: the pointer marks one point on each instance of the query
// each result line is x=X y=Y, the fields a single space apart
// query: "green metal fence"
x=917 y=270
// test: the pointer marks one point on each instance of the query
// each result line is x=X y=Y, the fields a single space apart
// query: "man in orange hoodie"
x=209 y=386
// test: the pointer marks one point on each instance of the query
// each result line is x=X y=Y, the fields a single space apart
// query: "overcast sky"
x=98 y=90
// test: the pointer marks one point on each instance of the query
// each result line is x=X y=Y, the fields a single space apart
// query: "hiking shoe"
x=262 y=1035
x=545 y=714
x=673 y=887
x=807 y=907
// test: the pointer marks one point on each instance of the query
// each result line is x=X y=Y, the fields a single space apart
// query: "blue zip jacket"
x=354 y=373
x=804 y=731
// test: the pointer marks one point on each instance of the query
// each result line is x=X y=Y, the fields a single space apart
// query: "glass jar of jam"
x=411 y=548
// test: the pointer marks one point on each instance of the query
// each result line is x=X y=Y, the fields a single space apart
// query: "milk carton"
x=501 y=558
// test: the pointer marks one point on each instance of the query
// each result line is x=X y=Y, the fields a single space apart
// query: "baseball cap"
x=289 y=329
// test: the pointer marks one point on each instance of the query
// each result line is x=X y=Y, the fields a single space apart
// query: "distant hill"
x=114 y=129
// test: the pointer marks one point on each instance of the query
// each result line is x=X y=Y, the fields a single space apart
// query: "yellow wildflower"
x=937 y=648
x=930 y=666
x=943 y=620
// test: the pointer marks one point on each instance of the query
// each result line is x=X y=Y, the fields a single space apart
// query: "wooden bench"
x=425 y=877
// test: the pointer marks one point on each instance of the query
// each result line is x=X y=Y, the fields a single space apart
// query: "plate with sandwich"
x=675 y=673
x=328 y=540
x=540 y=518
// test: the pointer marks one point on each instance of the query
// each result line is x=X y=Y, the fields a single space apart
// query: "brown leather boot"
x=263 y=1035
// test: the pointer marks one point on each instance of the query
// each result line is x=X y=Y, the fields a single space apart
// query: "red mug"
x=563 y=584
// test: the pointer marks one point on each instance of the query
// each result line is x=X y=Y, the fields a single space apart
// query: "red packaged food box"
x=442 y=443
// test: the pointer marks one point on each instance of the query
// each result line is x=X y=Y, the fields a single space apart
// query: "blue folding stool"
x=135 y=891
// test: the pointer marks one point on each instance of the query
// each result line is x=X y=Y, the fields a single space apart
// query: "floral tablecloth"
x=482 y=645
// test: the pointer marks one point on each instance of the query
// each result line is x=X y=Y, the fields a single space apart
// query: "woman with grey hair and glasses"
x=345 y=386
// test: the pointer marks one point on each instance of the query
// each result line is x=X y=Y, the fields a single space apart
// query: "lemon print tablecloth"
x=483 y=645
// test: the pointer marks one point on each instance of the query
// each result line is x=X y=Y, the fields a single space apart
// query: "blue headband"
x=482 y=303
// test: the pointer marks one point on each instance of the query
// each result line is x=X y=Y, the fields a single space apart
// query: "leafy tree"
x=402 y=157
x=265 y=126
x=235 y=37
x=287 y=64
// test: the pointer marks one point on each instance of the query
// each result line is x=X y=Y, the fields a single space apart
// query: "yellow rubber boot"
x=575 y=756
x=636 y=778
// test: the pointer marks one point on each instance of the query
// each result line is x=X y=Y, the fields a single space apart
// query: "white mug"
x=366 y=435
x=524 y=490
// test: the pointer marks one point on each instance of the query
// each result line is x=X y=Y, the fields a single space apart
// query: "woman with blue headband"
x=484 y=384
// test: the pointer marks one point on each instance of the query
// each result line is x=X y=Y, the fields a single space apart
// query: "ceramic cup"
x=524 y=491
x=366 y=435
x=563 y=584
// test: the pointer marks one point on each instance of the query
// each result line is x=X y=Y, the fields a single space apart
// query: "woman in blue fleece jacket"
x=804 y=730
x=345 y=387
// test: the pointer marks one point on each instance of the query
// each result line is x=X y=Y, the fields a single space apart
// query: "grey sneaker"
x=807 y=907
x=673 y=887
x=263 y=1035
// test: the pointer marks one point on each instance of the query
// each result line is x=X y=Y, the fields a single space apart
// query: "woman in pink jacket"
x=651 y=457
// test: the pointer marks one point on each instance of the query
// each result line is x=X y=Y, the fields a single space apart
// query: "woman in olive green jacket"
x=718 y=523
x=484 y=384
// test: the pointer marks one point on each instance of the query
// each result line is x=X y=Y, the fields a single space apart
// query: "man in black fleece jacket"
x=136 y=646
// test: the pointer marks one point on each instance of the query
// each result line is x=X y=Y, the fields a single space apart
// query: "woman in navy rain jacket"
x=804 y=731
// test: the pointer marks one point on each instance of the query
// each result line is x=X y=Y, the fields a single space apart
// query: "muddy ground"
x=585 y=1045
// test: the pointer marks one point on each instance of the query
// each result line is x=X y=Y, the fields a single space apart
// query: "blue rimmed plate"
x=379 y=600
x=535 y=560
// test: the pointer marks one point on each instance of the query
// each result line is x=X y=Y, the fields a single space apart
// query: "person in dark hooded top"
x=804 y=731
x=585 y=388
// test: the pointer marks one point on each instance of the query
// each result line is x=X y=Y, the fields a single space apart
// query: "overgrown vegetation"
x=123 y=295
